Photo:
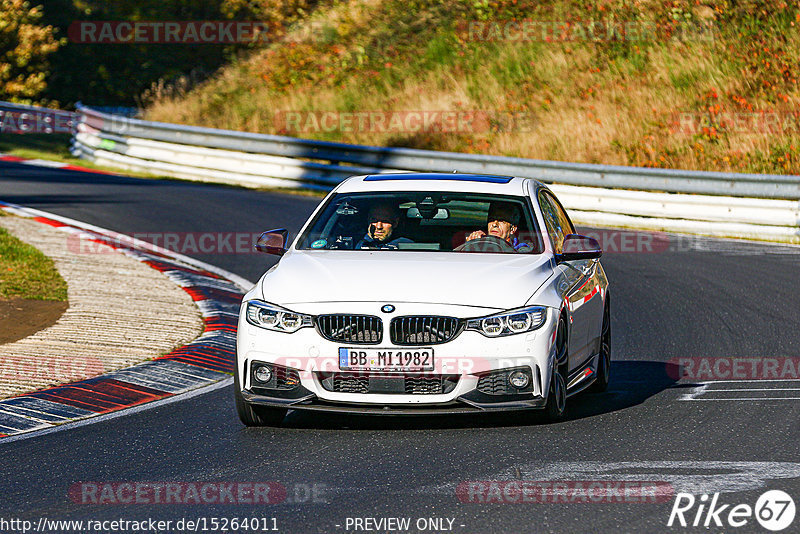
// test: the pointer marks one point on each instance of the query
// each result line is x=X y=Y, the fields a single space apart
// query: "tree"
x=24 y=49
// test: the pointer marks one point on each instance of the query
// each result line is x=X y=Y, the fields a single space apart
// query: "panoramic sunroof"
x=457 y=177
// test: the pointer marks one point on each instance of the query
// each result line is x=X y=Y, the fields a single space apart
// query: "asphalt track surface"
x=710 y=299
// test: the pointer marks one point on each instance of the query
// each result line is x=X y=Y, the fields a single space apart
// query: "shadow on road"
x=632 y=382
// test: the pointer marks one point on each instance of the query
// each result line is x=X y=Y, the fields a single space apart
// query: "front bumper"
x=461 y=362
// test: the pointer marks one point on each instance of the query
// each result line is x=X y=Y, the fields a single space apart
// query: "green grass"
x=53 y=147
x=27 y=273
x=33 y=145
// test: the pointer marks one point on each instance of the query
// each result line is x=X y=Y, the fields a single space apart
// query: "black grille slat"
x=286 y=378
x=348 y=382
x=357 y=329
x=283 y=378
x=343 y=383
x=496 y=382
x=424 y=330
x=423 y=385
x=493 y=383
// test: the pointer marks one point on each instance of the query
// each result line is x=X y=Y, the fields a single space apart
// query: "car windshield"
x=414 y=221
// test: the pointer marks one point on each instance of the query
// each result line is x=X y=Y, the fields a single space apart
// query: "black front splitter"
x=460 y=405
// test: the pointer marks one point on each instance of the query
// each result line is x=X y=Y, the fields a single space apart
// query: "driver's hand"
x=476 y=235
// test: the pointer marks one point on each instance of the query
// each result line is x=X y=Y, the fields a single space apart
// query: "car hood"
x=501 y=281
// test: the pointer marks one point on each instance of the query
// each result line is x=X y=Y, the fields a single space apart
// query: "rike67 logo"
x=774 y=510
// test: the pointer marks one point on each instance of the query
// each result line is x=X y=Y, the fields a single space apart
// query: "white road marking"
x=747 y=399
x=690 y=476
x=44 y=163
x=756 y=389
x=748 y=381
x=704 y=391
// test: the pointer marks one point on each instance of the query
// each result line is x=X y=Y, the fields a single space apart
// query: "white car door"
x=578 y=281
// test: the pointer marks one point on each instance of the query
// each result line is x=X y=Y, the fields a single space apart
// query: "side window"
x=566 y=224
x=552 y=221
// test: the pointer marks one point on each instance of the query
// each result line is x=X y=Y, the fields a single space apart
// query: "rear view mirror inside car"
x=441 y=213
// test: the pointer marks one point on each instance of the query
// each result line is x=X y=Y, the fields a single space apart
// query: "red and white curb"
x=207 y=360
x=52 y=164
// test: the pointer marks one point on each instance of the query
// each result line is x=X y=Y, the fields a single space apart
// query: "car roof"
x=478 y=183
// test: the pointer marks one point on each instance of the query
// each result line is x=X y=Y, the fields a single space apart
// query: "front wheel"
x=254 y=415
x=604 y=359
x=556 y=405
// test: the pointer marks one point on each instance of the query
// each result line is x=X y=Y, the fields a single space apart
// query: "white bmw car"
x=423 y=294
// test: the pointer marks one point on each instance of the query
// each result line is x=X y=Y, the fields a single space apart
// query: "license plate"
x=418 y=359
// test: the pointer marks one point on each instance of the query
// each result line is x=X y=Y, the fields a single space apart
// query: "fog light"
x=519 y=379
x=263 y=374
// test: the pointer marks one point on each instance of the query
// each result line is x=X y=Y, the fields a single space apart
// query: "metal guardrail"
x=199 y=163
x=615 y=176
x=729 y=204
x=738 y=205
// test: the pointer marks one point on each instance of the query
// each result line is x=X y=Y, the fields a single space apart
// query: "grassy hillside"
x=708 y=85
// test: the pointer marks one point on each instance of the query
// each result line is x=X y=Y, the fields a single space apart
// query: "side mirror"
x=579 y=247
x=272 y=242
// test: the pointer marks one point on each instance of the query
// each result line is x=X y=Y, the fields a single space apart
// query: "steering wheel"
x=487 y=243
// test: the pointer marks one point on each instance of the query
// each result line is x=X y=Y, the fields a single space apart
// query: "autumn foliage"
x=25 y=46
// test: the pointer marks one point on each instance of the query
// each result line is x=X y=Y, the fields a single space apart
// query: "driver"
x=502 y=222
x=383 y=220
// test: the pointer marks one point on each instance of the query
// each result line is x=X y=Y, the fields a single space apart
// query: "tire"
x=556 y=406
x=252 y=415
x=604 y=360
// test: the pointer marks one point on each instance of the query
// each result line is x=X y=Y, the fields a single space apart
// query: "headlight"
x=510 y=322
x=275 y=318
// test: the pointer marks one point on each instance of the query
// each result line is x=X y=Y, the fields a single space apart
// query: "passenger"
x=383 y=220
x=502 y=222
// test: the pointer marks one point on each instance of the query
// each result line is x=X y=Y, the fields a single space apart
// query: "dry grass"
x=581 y=103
